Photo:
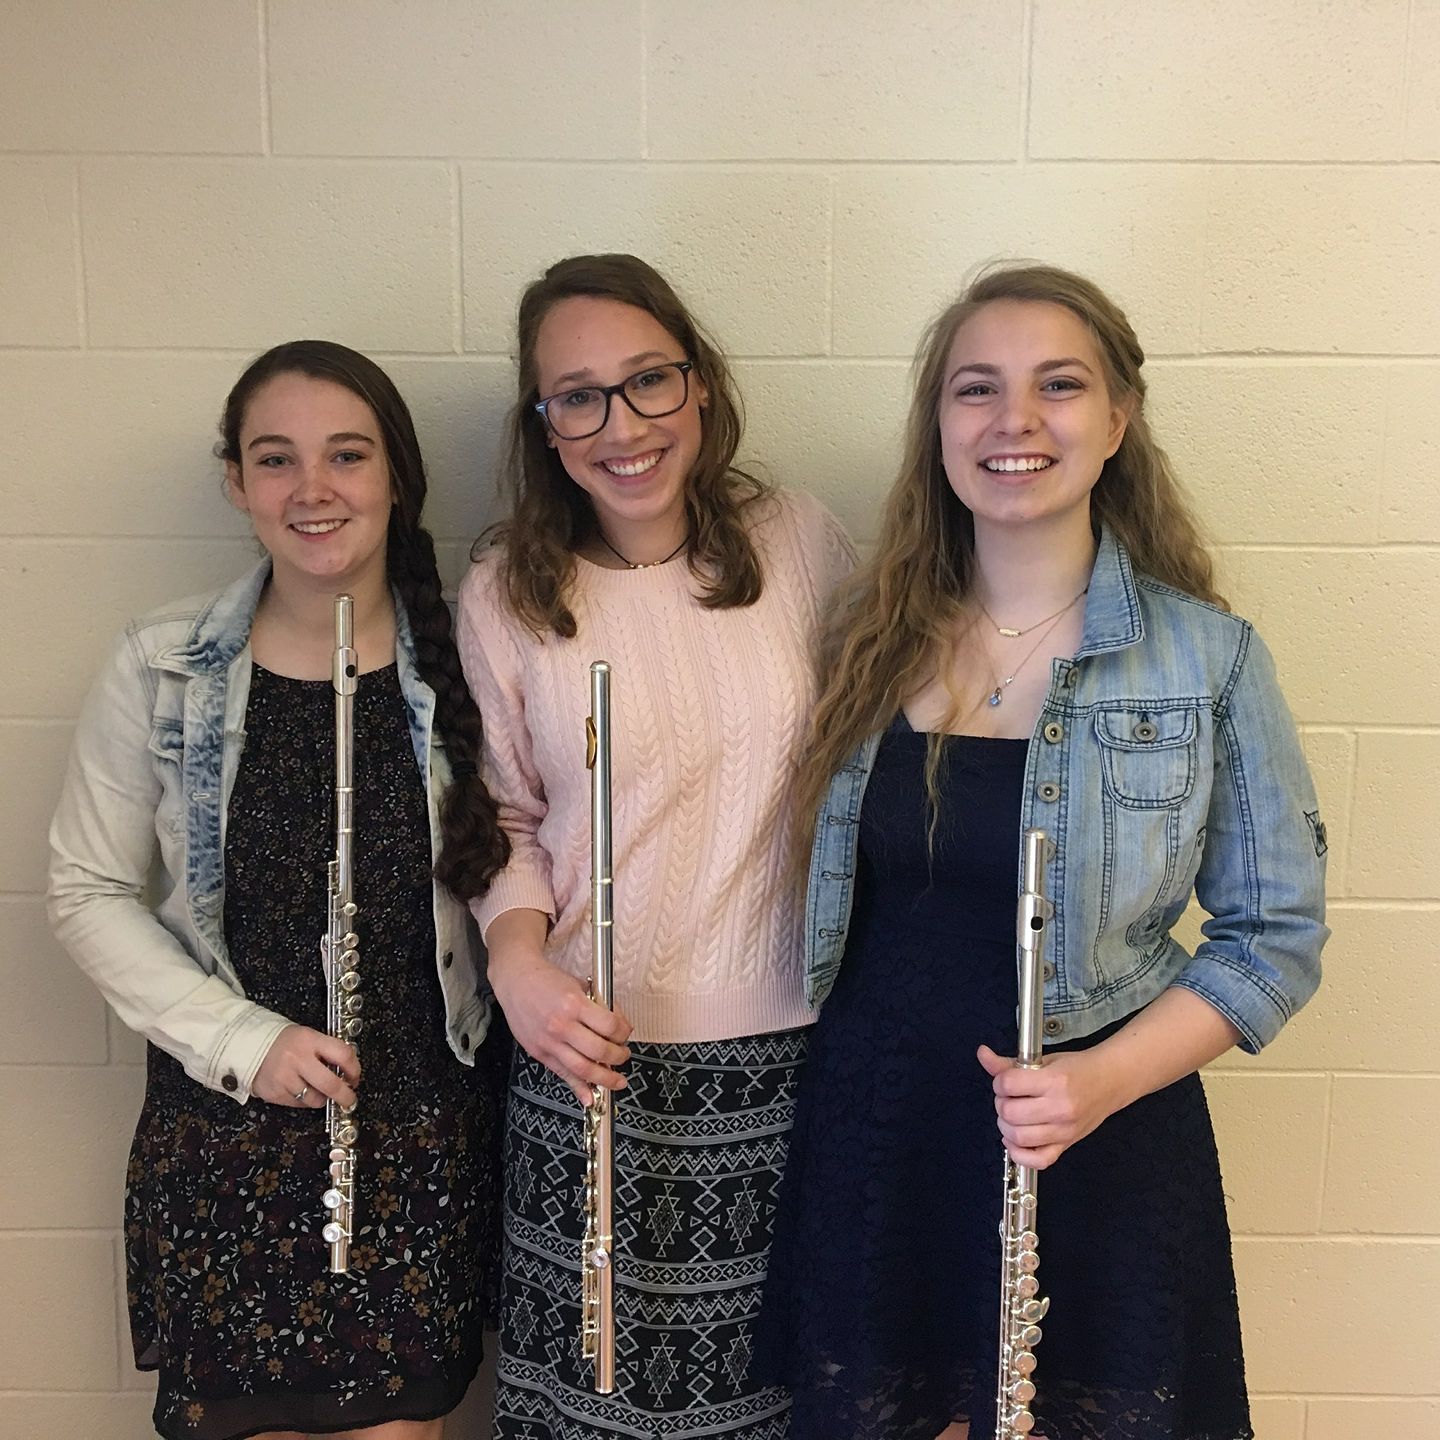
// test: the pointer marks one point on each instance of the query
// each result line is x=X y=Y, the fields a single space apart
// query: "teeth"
x=316 y=527
x=1009 y=466
x=632 y=467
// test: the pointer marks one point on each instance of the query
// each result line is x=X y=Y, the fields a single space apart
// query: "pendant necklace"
x=644 y=564
x=1050 y=622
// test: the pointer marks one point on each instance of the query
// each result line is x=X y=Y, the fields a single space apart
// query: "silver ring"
x=301 y=1093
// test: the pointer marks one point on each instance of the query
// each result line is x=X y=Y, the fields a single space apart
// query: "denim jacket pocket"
x=1148 y=755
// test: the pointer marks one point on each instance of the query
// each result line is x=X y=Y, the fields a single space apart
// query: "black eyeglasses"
x=652 y=392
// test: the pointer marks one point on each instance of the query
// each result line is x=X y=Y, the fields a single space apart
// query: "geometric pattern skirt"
x=701 y=1135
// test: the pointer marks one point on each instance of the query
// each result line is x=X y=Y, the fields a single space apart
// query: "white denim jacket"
x=151 y=772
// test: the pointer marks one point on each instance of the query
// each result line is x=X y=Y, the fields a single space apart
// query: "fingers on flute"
x=338 y=1055
x=325 y=1084
x=615 y=1025
x=590 y=1073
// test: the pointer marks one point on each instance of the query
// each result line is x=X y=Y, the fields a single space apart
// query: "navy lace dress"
x=881 y=1305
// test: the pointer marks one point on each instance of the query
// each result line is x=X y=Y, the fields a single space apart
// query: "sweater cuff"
x=511 y=891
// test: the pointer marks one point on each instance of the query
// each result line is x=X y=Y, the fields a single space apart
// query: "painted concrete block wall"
x=183 y=182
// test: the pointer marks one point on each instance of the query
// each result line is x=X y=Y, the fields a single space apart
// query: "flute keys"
x=1034 y=1310
x=1022 y=1392
x=1030 y=1337
x=1022 y=1422
x=347 y=1134
x=332 y=1199
x=600 y=1257
x=350 y=980
x=333 y=1233
x=1023 y=1363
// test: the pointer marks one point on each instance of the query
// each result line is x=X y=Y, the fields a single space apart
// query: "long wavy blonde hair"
x=901 y=610
x=551 y=516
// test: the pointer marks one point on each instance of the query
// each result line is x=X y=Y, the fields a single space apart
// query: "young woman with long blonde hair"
x=1037 y=642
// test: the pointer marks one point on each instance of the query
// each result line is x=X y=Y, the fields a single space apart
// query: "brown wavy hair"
x=885 y=636
x=474 y=847
x=551 y=516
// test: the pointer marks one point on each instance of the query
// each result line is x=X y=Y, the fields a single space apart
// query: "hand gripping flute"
x=1021 y=1307
x=597 y=1254
x=339 y=947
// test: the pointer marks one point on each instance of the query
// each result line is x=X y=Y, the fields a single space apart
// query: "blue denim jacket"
x=154 y=762
x=1164 y=762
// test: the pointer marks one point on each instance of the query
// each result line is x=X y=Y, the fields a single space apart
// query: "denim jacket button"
x=1053 y=1027
x=1073 y=677
x=1048 y=791
x=229 y=1082
x=1054 y=732
x=1144 y=730
x=1048 y=971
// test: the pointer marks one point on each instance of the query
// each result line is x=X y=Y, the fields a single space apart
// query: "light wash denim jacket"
x=1164 y=761
x=153 y=765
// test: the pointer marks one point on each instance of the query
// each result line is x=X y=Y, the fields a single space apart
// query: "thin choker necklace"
x=1011 y=634
x=644 y=564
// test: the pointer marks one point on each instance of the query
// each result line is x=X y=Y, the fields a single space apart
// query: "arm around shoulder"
x=491 y=645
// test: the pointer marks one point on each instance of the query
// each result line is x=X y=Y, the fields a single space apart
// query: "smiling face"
x=635 y=469
x=314 y=478
x=1026 y=419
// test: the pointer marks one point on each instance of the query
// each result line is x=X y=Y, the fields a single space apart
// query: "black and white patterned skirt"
x=701 y=1136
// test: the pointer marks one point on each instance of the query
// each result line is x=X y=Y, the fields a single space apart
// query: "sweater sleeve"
x=491 y=649
x=828 y=551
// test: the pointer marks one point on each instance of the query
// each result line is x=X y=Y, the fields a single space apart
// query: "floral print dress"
x=230 y=1294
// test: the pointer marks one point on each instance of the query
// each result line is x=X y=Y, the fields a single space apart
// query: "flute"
x=1021 y=1306
x=339 y=946
x=597 y=1286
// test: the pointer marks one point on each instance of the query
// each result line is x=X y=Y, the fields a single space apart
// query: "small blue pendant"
x=995 y=696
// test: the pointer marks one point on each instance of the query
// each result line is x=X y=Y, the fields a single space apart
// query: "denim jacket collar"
x=222 y=629
x=1112 y=608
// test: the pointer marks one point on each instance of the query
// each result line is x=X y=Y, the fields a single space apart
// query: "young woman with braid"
x=1037 y=642
x=635 y=539
x=207 y=745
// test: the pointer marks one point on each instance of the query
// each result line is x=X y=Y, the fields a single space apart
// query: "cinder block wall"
x=184 y=182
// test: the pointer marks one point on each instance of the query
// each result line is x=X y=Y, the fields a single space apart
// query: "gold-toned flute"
x=339 y=947
x=597 y=1250
x=1021 y=1306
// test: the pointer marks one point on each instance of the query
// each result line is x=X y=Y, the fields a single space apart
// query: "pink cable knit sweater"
x=707 y=709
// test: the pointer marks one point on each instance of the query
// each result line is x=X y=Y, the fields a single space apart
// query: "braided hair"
x=474 y=847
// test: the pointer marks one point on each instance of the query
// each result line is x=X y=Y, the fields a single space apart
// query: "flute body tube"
x=597 y=1251
x=340 y=945
x=1021 y=1305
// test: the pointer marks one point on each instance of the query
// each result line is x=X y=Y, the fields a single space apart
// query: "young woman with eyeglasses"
x=635 y=539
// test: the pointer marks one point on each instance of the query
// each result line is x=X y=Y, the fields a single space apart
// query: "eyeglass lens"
x=576 y=414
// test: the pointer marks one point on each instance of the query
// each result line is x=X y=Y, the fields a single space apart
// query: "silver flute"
x=597 y=1253
x=1021 y=1305
x=340 y=945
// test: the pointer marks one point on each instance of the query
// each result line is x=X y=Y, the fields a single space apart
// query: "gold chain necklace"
x=1011 y=634
x=998 y=693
